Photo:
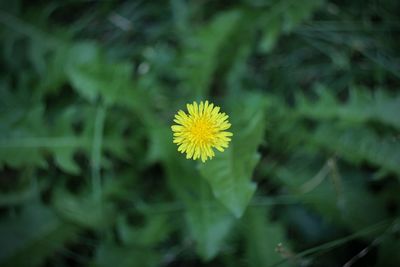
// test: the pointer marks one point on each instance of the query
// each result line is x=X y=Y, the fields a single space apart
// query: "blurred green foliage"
x=89 y=175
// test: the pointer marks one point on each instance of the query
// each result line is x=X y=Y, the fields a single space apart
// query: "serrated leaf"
x=100 y=78
x=208 y=221
x=361 y=107
x=93 y=76
x=85 y=210
x=155 y=230
x=17 y=153
x=229 y=173
x=360 y=145
x=283 y=17
x=64 y=159
x=201 y=54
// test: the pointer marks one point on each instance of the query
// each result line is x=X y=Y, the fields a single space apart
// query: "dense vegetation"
x=89 y=175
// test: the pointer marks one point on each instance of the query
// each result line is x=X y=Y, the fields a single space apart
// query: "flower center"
x=201 y=130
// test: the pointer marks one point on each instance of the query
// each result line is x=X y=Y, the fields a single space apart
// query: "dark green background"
x=88 y=172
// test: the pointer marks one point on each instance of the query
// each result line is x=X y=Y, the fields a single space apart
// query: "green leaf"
x=262 y=239
x=388 y=252
x=94 y=77
x=36 y=233
x=26 y=136
x=28 y=142
x=361 y=107
x=359 y=145
x=340 y=196
x=201 y=54
x=229 y=173
x=109 y=254
x=85 y=209
x=64 y=159
x=101 y=78
x=23 y=195
x=155 y=230
x=283 y=17
x=208 y=221
x=13 y=151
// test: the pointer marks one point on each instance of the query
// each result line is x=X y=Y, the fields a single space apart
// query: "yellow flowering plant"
x=201 y=130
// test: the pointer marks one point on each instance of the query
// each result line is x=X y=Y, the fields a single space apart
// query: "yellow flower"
x=198 y=132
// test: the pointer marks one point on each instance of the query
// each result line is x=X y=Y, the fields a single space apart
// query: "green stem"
x=97 y=151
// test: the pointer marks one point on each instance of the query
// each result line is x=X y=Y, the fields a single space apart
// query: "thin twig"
x=338 y=242
x=374 y=243
x=316 y=180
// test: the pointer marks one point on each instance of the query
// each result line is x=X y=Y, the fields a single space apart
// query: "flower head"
x=201 y=130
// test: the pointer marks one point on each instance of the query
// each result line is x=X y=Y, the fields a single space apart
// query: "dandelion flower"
x=201 y=130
